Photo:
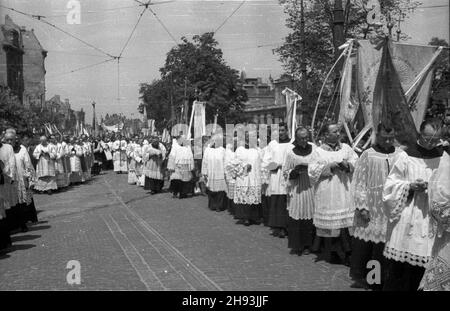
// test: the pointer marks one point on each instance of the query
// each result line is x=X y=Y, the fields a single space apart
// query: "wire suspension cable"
x=64 y=52
x=81 y=40
x=40 y=18
x=81 y=68
x=95 y=12
x=164 y=26
x=226 y=20
x=132 y=32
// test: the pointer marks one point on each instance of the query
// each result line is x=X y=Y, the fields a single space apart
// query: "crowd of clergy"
x=385 y=208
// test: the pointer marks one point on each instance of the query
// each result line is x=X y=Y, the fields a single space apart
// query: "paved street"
x=126 y=239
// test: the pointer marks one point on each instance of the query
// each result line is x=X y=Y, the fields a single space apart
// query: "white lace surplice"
x=181 y=161
x=437 y=274
x=229 y=178
x=213 y=167
x=300 y=193
x=276 y=153
x=120 y=156
x=8 y=195
x=409 y=236
x=137 y=156
x=371 y=171
x=332 y=195
x=265 y=174
x=25 y=173
x=46 y=160
x=248 y=185
x=153 y=161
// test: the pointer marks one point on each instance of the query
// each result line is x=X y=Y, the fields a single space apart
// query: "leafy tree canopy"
x=320 y=46
x=195 y=68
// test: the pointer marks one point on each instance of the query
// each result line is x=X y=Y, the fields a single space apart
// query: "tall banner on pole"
x=390 y=105
x=292 y=98
x=198 y=120
x=414 y=66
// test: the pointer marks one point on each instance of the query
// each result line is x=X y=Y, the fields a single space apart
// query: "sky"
x=247 y=40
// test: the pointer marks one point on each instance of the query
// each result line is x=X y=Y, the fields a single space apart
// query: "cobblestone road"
x=126 y=239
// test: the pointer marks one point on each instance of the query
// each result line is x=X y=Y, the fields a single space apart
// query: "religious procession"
x=333 y=176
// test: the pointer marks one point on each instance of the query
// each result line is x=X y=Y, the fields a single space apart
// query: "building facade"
x=22 y=63
x=62 y=115
x=11 y=58
x=266 y=104
x=33 y=70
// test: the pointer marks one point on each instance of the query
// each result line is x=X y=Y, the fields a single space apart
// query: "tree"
x=157 y=99
x=441 y=82
x=195 y=68
x=14 y=114
x=319 y=53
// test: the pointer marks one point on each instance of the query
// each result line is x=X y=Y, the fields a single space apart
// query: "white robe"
x=300 y=192
x=333 y=209
x=276 y=153
x=410 y=236
x=87 y=152
x=230 y=180
x=213 y=167
x=182 y=164
x=45 y=169
x=371 y=171
x=248 y=184
x=437 y=274
x=153 y=161
x=76 y=173
x=25 y=175
x=8 y=195
x=62 y=179
x=120 y=156
x=131 y=162
x=46 y=157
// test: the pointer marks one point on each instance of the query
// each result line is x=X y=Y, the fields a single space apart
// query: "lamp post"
x=94 y=127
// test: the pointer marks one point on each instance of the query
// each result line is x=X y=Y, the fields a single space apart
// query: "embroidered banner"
x=409 y=61
x=390 y=106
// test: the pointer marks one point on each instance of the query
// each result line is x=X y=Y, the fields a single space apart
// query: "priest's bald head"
x=43 y=140
x=333 y=133
x=430 y=133
x=10 y=137
x=10 y=130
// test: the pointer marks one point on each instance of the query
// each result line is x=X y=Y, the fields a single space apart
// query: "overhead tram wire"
x=164 y=26
x=132 y=32
x=226 y=20
x=42 y=19
x=75 y=37
x=63 y=52
x=123 y=49
x=95 y=12
x=81 y=68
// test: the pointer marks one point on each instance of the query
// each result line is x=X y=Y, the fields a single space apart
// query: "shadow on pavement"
x=35 y=228
x=137 y=199
x=26 y=237
x=19 y=247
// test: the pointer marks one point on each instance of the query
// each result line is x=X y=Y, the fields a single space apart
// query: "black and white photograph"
x=240 y=146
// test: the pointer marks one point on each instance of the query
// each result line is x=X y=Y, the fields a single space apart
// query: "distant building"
x=65 y=118
x=11 y=57
x=33 y=70
x=265 y=104
x=22 y=67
